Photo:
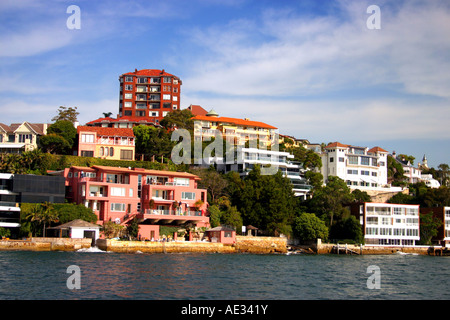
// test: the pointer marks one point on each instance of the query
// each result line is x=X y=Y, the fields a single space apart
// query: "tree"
x=429 y=225
x=331 y=199
x=212 y=181
x=151 y=141
x=347 y=228
x=444 y=170
x=232 y=217
x=361 y=196
x=65 y=129
x=405 y=157
x=309 y=227
x=308 y=158
x=395 y=171
x=215 y=216
x=42 y=214
x=180 y=119
x=64 y=113
x=315 y=179
x=53 y=143
x=265 y=201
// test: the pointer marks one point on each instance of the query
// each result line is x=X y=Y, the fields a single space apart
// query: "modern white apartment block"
x=360 y=167
x=271 y=162
x=388 y=223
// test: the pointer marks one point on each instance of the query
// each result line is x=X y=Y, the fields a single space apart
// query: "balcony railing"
x=173 y=212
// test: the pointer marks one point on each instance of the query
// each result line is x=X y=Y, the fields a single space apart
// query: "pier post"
x=337 y=248
x=360 y=249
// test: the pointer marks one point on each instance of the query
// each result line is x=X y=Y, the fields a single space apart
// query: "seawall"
x=243 y=244
x=46 y=244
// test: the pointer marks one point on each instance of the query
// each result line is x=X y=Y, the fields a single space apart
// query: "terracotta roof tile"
x=377 y=149
x=120 y=132
x=236 y=121
x=150 y=73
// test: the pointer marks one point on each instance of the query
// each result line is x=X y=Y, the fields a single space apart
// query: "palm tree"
x=43 y=213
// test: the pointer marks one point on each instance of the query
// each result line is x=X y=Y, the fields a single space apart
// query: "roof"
x=337 y=144
x=149 y=73
x=377 y=149
x=197 y=110
x=221 y=228
x=37 y=128
x=107 y=131
x=77 y=223
x=235 y=121
x=147 y=171
x=126 y=119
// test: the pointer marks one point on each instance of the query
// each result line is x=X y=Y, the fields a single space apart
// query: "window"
x=365 y=161
x=166 y=96
x=117 y=206
x=365 y=172
x=166 y=80
x=111 y=151
x=128 y=87
x=181 y=182
x=374 y=174
x=188 y=196
x=87 y=138
x=352 y=159
x=126 y=154
x=127 y=104
x=118 y=192
x=341 y=159
x=352 y=171
x=372 y=220
x=85 y=153
x=128 y=96
x=128 y=79
x=331 y=159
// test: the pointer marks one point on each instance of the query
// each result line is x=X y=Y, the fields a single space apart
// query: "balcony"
x=156 y=216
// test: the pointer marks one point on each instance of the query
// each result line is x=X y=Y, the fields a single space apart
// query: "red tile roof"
x=337 y=144
x=235 y=121
x=197 y=110
x=150 y=73
x=147 y=171
x=377 y=149
x=118 y=132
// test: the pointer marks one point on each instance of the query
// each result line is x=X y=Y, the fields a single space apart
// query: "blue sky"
x=311 y=68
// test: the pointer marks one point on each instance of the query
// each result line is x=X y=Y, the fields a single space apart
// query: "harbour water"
x=31 y=275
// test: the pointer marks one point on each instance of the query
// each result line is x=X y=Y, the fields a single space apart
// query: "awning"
x=12 y=145
x=9 y=224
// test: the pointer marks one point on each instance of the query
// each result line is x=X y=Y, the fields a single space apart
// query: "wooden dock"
x=344 y=249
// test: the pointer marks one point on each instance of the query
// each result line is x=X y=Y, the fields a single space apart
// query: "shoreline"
x=243 y=244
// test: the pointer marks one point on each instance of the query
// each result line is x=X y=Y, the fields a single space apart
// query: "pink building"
x=106 y=143
x=155 y=197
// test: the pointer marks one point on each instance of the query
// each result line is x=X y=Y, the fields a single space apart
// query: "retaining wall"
x=46 y=244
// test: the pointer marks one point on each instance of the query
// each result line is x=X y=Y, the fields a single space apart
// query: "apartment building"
x=155 y=197
x=236 y=131
x=20 y=137
x=26 y=188
x=387 y=223
x=443 y=215
x=149 y=94
x=106 y=143
x=361 y=167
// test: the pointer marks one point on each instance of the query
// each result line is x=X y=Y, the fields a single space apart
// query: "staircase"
x=129 y=217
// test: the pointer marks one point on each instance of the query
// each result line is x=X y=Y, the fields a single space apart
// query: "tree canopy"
x=66 y=113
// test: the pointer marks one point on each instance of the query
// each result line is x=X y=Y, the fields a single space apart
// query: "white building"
x=387 y=223
x=360 y=167
x=270 y=162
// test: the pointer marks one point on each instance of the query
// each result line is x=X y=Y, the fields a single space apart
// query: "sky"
x=324 y=70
